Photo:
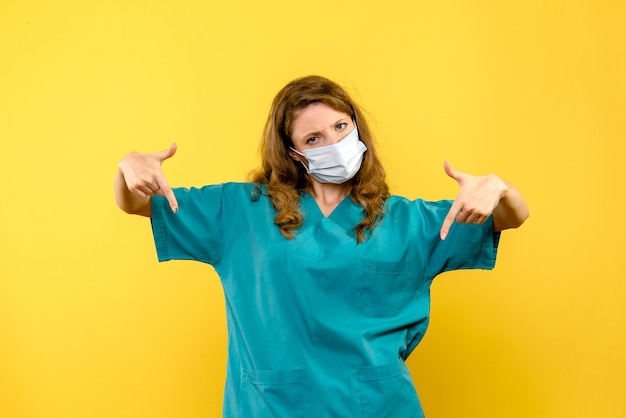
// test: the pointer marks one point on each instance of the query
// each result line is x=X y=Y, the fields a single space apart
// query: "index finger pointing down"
x=449 y=220
x=166 y=191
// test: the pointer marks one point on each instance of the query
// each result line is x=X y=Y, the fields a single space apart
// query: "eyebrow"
x=310 y=134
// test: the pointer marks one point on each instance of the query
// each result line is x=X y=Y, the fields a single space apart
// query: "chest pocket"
x=384 y=288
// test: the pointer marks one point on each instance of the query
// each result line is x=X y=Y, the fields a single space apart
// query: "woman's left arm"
x=483 y=196
x=511 y=210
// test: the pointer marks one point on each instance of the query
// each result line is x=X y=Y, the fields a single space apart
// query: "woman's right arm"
x=139 y=177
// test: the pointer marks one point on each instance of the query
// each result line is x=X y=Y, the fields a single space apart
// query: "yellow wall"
x=92 y=326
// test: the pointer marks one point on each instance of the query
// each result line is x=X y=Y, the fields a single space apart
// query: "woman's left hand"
x=478 y=197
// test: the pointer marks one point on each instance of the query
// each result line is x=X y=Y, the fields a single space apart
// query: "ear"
x=294 y=155
x=298 y=158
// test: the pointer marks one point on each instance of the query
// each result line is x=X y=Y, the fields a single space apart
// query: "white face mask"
x=335 y=163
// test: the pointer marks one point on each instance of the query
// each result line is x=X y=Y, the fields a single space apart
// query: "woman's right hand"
x=143 y=177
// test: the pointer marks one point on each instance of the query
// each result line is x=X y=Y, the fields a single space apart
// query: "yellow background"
x=92 y=326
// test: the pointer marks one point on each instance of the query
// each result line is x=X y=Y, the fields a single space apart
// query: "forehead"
x=314 y=117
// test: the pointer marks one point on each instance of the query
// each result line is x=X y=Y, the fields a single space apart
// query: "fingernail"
x=444 y=235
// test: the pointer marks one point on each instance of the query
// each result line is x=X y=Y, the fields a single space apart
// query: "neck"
x=328 y=196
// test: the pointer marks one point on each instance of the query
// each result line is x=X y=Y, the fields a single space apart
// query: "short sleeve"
x=468 y=246
x=196 y=231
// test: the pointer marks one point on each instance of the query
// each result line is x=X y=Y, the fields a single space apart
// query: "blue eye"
x=341 y=126
x=311 y=140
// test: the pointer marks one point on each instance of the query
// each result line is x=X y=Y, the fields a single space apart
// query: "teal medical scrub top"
x=319 y=326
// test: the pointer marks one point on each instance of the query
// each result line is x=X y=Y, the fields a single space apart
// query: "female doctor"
x=326 y=275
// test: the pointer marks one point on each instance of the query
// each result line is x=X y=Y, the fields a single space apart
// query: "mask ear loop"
x=354 y=120
x=296 y=151
x=353 y=116
x=302 y=155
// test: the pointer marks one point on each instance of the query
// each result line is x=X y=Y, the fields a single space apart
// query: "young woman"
x=326 y=275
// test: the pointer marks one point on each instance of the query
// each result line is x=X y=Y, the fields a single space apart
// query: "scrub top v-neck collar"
x=342 y=213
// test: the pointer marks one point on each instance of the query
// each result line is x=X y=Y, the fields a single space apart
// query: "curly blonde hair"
x=286 y=180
